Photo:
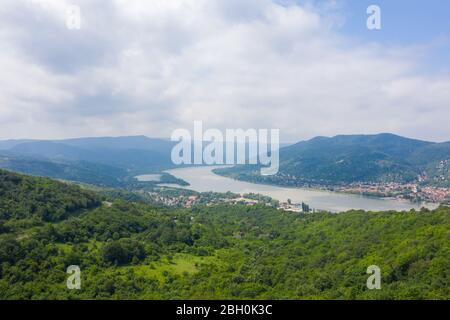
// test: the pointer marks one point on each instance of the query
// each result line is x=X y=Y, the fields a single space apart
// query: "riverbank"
x=203 y=179
x=413 y=192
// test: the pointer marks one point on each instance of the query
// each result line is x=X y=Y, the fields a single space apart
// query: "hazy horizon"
x=168 y=138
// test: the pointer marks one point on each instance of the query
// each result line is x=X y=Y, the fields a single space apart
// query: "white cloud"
x=140 y=67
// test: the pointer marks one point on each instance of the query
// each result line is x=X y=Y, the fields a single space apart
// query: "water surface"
x=149 y=177
x=202 y=179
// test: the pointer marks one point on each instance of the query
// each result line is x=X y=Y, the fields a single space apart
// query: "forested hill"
x=359 y=158
x=133 y=251
x=382 y=157
x=25 y=197
x=101 y=161
x=80 y=171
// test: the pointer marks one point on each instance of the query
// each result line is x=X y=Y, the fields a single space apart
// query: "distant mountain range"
x=130 y=153
x=321 y=160
x=101 y=161
x=81 y=171
x=356 y=158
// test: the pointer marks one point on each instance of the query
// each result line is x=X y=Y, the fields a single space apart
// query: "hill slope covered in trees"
x=356 y=158
x=134 y=251
x=25 y=197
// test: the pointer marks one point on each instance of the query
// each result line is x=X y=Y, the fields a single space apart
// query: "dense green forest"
x=130 y=250
x=23 y=197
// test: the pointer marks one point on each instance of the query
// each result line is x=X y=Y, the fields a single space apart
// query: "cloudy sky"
x=151 y=66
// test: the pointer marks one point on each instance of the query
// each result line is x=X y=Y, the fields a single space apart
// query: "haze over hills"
x=104 y=161
x=8 y=144
x=120 y=142
x=340 y=159
x=80 y=171
x=127 y=153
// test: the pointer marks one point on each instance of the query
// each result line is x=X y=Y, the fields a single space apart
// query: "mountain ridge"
x=353 y=158
x=383 y=157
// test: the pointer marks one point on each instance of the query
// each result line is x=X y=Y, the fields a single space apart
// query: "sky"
x=308 y=68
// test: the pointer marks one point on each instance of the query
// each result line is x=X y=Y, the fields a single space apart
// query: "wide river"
x=202 y=179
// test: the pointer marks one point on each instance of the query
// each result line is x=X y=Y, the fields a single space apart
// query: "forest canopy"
x=128 y=250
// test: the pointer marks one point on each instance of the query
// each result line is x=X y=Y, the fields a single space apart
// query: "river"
x=202 y=179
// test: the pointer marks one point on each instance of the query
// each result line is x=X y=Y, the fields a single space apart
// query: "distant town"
x=410 y=191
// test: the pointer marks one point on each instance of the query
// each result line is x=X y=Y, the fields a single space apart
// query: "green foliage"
x=80 y=171
x=123 y=251
x=24 y=197
x=353 y=158
x=134 y=251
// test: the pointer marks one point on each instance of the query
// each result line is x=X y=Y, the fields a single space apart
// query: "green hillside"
x=100 y=161
x=80 y=171
x=131 y=154
x=133 y=251
x=25 y=197
x=355 y=158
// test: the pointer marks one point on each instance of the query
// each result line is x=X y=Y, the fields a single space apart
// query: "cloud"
x=139 y=67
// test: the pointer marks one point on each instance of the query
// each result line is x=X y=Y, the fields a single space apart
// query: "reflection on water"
x=202 y=179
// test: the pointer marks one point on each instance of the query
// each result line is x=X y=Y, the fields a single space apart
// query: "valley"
x=382 y=165
x=132 y=250
x=204 y=179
